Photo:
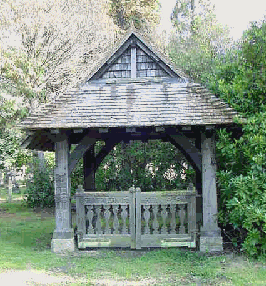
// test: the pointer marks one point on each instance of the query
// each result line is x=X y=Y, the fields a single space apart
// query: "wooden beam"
x=79 y=151
x=190 y=151
x=109 y=145
x=133 y=61
x=89 y=169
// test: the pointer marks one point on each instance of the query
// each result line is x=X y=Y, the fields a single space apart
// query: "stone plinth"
x=211 y=244
x=62 y=245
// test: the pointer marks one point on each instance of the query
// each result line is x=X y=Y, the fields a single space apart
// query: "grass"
x=25 y=244
x=4 y=193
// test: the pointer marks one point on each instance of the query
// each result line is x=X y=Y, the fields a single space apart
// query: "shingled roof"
x=134 y=86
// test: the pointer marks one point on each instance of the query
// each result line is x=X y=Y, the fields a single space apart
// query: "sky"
x=236 y=14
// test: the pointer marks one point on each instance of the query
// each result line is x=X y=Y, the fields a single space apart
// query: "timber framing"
x=134 y=93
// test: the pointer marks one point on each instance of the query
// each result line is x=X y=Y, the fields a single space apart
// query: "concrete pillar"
x=210 y=236
x=63 y=237
x=89 y=170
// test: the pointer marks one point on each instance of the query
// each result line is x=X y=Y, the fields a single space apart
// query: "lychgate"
x=135 y=94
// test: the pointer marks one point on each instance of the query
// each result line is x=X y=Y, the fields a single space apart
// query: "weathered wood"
x=182 y=214
x=89 y=168
x=146 y=219
x=133 y=62
x=158 y=211
x=107 y=215
x=190 y=151
x=164 y=217
x=109 y=145
x=173 y=219
x=90 y=214
x=63 y=236
x=79 y=151
x=80 y=217
x=210 y=232
x=132 y=217
x=124 y=216
x=138 y=218
x=98 y=225
x=155 y=209
x=116 y=221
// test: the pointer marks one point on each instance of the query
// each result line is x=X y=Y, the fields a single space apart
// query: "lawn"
x=25 y=245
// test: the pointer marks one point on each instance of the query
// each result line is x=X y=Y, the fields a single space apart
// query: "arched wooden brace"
x=79 y=152
x=91 y=163
x=192 y=154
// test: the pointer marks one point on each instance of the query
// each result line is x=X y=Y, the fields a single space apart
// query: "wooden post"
x=133 y=61
x=210 y=240
x=132 y=217
x=80 y=209
x=89 y=169
x=138 y=218
x=63 y=237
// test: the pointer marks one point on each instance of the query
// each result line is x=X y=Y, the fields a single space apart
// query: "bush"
x=242 y=181
x=40 y=187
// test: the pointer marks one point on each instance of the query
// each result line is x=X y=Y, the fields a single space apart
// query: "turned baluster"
x=182 y=214
x=98 y=220
x=173 y=219
x=90 y=214
x=116 y=221
x=164 y=217
x=146 y=218
x=124 y=218
x=155 y=224
x=107 y=215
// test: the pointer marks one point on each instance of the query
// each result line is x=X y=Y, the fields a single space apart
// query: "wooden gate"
x=135 y=219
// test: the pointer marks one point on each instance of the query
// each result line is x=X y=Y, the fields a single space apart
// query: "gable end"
x=134 y=59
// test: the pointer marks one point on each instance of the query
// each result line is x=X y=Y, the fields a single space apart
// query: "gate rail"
x=135 y=219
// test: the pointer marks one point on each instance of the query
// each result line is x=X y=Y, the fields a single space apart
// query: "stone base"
x=211 y=244
x=62 y=245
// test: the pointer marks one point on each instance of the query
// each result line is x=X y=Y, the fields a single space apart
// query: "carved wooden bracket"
x=189 y=150
x=79 y=151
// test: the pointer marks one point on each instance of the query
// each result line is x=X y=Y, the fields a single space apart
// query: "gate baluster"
x=164 y=216
x=107 y=215
x=116 y=221
x=98 y=220
x=155 y=224
x=173 y=219
x=124 y=218
x=146 y=218
x=182 y=219
x=90 y=214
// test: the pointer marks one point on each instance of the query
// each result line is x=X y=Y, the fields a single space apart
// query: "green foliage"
x=154 y=165
x=11 y=155
x=40 y=188
x=142 y=13
x=77 y=177
x=239 y=79
x=242 y=180
x=198 y=39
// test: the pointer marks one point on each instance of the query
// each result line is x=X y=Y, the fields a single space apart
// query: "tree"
x=239 y=79
x=142 y=13
x=45 y=48
x=198 y=39
x=59 y=40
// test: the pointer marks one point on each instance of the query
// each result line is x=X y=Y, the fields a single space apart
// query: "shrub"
x=40 y=187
